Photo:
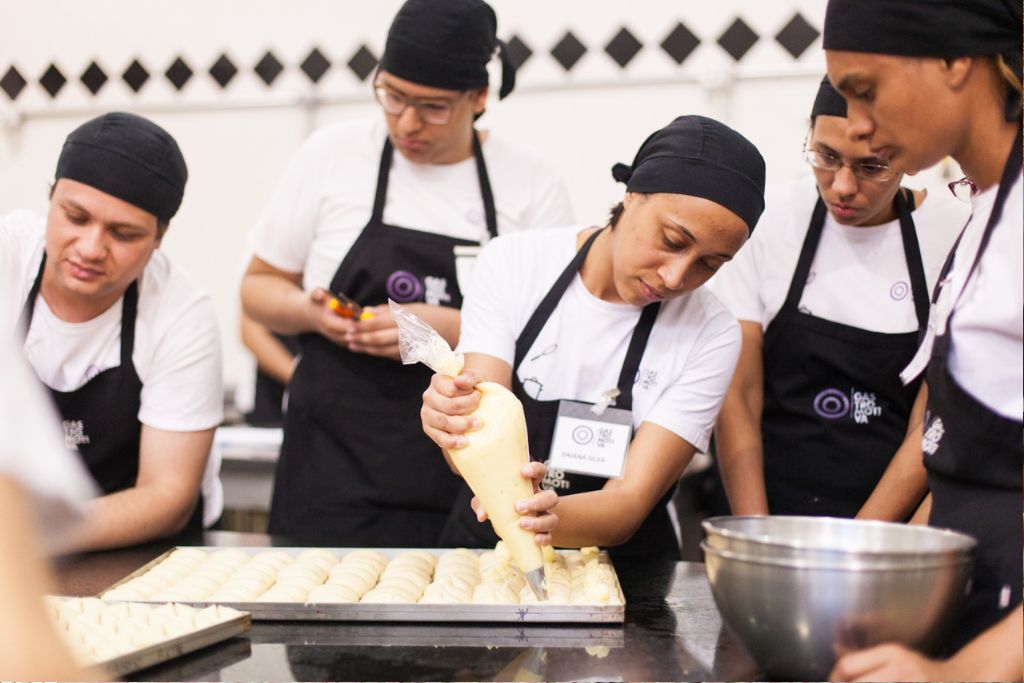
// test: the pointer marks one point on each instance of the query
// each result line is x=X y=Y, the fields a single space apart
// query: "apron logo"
x=404 y=287
x=932 y=436
x=554 y=479
x=74 y=434
x=833 y=404
x=899 y=291
x=437 y=290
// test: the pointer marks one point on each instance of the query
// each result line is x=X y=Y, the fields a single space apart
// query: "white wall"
x=237 y=138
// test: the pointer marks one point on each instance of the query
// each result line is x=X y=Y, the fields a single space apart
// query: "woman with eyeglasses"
x=924 y=80
x=378 y=210
x=830 y=293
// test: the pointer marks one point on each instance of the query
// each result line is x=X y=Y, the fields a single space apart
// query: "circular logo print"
x=583 y=435
x=899 y=290
x=404 y=287
x=831 y=404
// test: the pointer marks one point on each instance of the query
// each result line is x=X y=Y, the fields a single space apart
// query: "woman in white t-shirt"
x=830 y=294
x=576 y=317
x=924 y=80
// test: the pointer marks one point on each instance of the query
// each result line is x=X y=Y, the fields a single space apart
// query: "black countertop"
x=672 y=632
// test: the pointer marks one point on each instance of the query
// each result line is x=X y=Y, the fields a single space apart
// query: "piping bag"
x=492 y=459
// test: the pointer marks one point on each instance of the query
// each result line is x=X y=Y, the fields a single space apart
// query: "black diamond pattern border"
x=568 y=51
x=135 y=75
x=178 y=73
x=362 y=63
x=12 y=83
x=518 y=51
x=268 y=68
x=93 y=78
x=315 y=65
x=797 y=35
x=52 y=80
x=738 y=39
x=680 y=43
x=223 y=70
x=623 y=47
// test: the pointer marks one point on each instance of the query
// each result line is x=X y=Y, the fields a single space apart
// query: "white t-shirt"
x=177 y=345
x=326 y=196
x=689 y=361
x=859 y=275
x=32 y=453
x=987 y=350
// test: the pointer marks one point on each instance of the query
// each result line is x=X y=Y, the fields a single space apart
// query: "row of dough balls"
x=317 y=575
x=97 y=631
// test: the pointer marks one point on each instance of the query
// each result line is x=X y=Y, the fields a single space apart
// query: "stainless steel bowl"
x=831 y=593
x=826 y=538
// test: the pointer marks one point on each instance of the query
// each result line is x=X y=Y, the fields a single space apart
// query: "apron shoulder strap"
x=490 y=213
x=905 y=204
x=634 y=354
x=550 y=301
x=806 y=259
x=383 y=173
x=30 y=304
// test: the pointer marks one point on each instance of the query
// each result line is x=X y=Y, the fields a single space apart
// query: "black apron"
x=835 y=410
x=101 y=418
x=356 y=468
x=974 y=458
x=656 y=537
x=268 y=396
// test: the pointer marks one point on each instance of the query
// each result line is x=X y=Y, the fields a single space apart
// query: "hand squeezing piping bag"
x=494 y=455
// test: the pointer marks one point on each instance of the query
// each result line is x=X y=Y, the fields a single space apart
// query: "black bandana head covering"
x=929 y=28
x=828 y=102
x=446 y=44
x=700 y=157
x=128 y=157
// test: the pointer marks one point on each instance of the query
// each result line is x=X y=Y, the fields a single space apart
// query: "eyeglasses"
x=435 y=112
x=865 y=170
x=963 y=189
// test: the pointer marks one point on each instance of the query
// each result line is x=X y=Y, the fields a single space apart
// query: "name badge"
x=465 y=259
x=594 y=445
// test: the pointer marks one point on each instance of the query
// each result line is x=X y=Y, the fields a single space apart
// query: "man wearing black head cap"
x=830 y=293
x=378 y=210
x=126 y=342
x=625 y=323
x=925 y=79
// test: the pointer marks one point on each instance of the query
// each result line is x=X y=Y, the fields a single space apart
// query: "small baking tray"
x=172 y=648
x=538 y=613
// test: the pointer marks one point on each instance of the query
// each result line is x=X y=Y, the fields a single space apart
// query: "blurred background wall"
x=240 y=84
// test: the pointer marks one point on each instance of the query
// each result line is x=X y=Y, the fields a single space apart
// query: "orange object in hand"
x=347 y=308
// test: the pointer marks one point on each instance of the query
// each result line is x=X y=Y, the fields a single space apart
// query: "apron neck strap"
x=637 y=344
x=806 y=259
x=384 y=173
x=490 y=213
x=905 y=205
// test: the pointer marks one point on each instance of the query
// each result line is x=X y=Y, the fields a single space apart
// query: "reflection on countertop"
x=672 y=632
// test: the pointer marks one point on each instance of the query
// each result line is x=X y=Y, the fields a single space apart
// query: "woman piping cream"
x=611 y=315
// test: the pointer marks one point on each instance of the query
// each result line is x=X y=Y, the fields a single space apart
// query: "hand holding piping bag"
x=494 y=455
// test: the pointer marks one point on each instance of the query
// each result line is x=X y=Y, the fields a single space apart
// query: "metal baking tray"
x=410 y=612
x=172 y=648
